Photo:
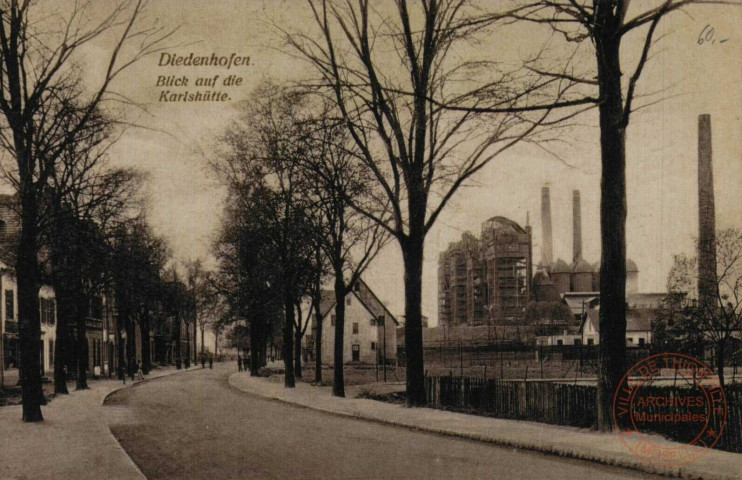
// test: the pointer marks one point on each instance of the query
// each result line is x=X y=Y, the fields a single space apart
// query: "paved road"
x=194 y=425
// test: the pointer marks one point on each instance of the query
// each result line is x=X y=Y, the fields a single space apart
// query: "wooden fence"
x=557 y=403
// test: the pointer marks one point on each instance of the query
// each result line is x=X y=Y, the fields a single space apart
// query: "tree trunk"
x=131 y=347
x=82 y=343
x=255 y=339
x=338 y=377
x=297 y=352
x=318 y=342
x=62 y=343
x=120 y=322
x=612 y=347
x=146 y=353
x=720 y=357
x=203 y=332
x=188 y=346
x=288 y=342
x=412 y=254
x=178 y=346
x=27 y=272
x=195 y=338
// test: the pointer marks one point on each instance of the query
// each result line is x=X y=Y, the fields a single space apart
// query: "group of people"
x=243 y=363
x=203 y=361
x=139 y=372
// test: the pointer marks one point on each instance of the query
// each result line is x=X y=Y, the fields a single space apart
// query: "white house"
x=370 y=331
x=9 y=321
x=638 y=327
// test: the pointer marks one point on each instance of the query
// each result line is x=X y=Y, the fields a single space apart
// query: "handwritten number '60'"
x=707 y=36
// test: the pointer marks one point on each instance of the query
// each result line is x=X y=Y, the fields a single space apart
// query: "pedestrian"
x=239 y=363
x=211 y=362
x=248 y=361
x=203 y=361
x=122 y=372
x=140 y=373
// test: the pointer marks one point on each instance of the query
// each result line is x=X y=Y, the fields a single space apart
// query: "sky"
x=173 y=142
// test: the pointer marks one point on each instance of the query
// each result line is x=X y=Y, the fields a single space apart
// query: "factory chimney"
x=576 y=227
x=547 y=249
x=706 y=216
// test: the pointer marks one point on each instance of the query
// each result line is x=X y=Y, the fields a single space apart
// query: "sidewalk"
x=605 y=448
x=73 y=441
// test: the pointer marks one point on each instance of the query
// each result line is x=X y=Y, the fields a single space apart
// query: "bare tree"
x=718 y=323
x=38 y=70
x=396 y=85
x=349 y=240
x=263 y=152
x=602 y=26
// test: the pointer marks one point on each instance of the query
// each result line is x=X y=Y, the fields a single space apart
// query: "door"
x=356 y=353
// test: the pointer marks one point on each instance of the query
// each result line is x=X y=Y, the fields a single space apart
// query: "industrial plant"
x=490 y=281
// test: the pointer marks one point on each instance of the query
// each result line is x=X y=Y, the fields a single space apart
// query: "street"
x=194 y=425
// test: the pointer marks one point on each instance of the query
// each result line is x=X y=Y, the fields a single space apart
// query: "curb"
x=676 y=472
x=132 y=385
x=146 y=380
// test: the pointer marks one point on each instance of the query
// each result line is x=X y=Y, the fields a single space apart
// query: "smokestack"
x=576 y=226
x=546 y=250
x=706 y=215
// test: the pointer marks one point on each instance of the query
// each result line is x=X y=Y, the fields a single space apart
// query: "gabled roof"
x=637 y=319
x=364 y=294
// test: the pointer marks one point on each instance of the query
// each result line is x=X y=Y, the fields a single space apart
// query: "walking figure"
x=211 y=362
x=239 y=363
x=203 y=361
x=140 y=373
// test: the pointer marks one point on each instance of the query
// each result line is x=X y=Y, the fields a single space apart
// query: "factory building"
x=580 y=275
x=488 y=280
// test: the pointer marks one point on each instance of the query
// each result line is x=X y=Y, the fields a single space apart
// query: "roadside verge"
x=73 y=441
x=583 y=444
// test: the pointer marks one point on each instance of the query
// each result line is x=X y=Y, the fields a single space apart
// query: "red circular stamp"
x=671 y=395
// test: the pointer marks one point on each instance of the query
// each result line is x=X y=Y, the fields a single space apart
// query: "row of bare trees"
x=424 y=118
x=290 y=227
x=55 y=129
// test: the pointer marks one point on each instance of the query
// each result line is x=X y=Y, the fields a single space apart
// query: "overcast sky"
x=662 y=205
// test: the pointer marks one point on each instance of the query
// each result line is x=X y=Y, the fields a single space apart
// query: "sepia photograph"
x=370 y=239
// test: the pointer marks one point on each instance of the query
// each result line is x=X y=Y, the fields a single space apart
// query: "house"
x=638 y=327
x=370 y=332
x=567 y=337
x=9 y=322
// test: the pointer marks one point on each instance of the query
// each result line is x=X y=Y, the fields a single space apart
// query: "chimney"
x=576 y=226
x=546 y=250
x=706 y=215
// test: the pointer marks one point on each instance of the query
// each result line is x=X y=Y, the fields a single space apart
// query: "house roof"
x=637 y=319
x=365 y=295
x=579 y=302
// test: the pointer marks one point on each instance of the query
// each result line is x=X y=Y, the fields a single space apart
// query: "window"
x=355 y=327
x=630 y=340
x=578 y=341
x=51 y=353
x=590 y=341
x=9 y=305
x=373 y=345
x=332 y=320
x=560 y=342
x=347 y=300
x=96 y=307
x=47 y=311
x=373 y=322
x=641 y=342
